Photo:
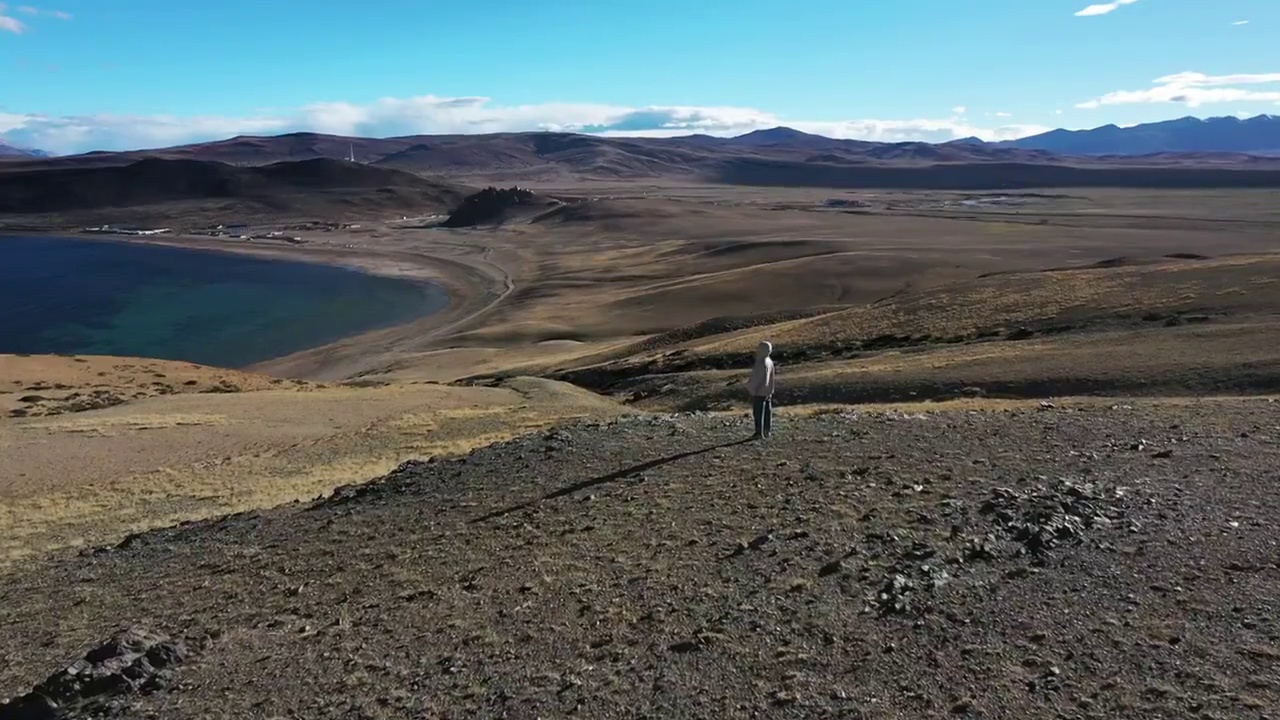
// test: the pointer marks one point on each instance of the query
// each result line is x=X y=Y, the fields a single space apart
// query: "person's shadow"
x=605 y=479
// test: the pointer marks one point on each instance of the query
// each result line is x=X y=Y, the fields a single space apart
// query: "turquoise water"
x=62 y=295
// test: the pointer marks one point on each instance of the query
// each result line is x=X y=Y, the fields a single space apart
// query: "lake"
x=92 y=297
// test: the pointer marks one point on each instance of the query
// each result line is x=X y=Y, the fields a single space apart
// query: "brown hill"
x=1183 y=323
x=771 y=157
x=153 y=181
x=991 y=175
x=494 y=206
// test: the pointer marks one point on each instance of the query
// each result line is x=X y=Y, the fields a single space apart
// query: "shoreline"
x=470 y=289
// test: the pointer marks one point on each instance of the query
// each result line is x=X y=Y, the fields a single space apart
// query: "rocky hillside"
x=1085 y=561
x=491 y=206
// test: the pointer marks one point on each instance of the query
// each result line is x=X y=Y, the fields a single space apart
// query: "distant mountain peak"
x=784 y=136
x=1258 y=135
x=778 y=134
x=10 y=150
x=781 y=131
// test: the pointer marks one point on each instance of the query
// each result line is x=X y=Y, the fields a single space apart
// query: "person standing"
x=760 y=386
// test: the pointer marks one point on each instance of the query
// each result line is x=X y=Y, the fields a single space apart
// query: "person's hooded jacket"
x=761 y=382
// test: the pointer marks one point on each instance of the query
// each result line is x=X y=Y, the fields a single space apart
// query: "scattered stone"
x=1046 y=517
x=900 y=595
x=133 y=661
x=981 y=548
x=920 y=551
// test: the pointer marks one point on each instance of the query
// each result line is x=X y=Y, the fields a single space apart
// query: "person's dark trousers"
x=762 y=413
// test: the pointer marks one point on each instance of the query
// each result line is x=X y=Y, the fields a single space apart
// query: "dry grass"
x=623 y=281
x=41 y=385
x=638 y=266
x=94 y=476
x=1241 y=285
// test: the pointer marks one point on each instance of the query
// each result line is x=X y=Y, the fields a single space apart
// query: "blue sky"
x=78 y=75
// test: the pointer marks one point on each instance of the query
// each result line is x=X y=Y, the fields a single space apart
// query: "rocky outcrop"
x=132 y=661
x=490 y=205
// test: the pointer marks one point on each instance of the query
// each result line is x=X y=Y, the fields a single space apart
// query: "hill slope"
x=779 y=156
x=971 y=564
x=1183 y=326
x=153 y=181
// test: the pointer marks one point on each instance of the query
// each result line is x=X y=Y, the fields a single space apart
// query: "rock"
x=684 y=646
x=896 y=595
x=760 y=541
x=784 y=697
x=1045 y=517
x=981 y=548
x=920 y=551
x=135 y=660
x=832 y=568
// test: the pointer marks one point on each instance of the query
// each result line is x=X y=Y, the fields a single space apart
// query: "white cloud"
x=35 y=11
x=1003 y=114
x=1057 y=112
x=959 y=110
x=440 y=115
x=1103 y=8
x=9 y=23
x=1194 y=89
x=1240 y=22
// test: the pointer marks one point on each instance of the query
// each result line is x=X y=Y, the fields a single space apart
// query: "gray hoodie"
x=761 y=382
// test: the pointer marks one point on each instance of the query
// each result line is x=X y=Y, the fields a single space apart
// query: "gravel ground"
x=1064 y=562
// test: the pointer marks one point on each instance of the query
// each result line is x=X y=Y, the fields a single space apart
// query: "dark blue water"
x=112 y=298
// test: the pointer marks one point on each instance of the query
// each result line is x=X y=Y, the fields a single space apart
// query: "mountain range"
x=429 y=171
x=8 y=151
x=1258 y=135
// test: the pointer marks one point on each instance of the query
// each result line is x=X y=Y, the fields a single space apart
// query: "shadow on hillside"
x=606 y=479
